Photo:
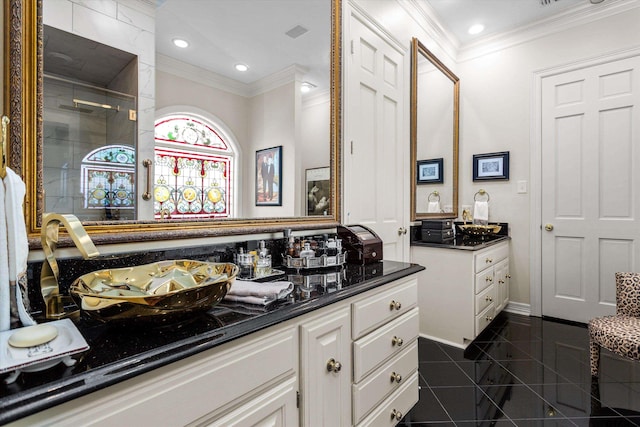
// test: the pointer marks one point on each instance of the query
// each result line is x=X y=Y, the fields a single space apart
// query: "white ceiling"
x=498 y=16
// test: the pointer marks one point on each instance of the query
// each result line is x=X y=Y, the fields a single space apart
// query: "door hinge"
x=297 y=399
x=352 y=48
x=351 y=147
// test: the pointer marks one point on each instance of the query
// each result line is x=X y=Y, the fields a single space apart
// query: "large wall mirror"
x=89 y=85
x=434 y=136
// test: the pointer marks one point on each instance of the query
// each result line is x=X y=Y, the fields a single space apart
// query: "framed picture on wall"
x=430 y=171
x=269 y=176
x=318 y=189
x=491 y=166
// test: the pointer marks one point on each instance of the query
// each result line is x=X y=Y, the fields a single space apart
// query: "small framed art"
x=491 y=166
x=430 y=171
x=269 y=176
x=318 y=190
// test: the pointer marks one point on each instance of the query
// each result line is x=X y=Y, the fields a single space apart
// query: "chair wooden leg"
x=594 y=357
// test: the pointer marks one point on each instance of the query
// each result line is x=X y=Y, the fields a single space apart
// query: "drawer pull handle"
x=489 y=318
x=396 y=341
x=396 y=377
x=508 y=276
x=395 y=305
x=488 y=260
x=488 y=279
x=396 y=415
x=333 y=365
x=501 y=281
x=488 y=298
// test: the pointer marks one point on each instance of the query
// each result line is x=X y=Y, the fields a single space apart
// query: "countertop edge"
x=13 y=408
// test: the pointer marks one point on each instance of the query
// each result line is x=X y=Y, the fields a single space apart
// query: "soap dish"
x=31 y=359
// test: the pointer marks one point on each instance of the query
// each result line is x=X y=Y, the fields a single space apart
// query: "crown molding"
x=579 y=15
x=424 y=15
x=209 y=78
x=318 y=98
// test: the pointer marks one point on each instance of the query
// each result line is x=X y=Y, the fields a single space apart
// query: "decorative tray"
x=314 y=262
x=28 y=359
x=274 y=273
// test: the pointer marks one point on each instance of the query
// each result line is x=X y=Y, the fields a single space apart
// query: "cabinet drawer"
x=381 y=383
x=391 y=411
x=491 y=256
x=373 y=349
x=484 y=299
x=378 y=309
x=484 y=318
x=484 y=279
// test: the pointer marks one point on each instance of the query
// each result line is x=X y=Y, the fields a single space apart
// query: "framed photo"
x=430 y=171
x=269 y=177
x=491 y=166
x=318 y=188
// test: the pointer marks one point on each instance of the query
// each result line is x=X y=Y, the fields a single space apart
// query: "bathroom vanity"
x=339 y=353
x=464 y=289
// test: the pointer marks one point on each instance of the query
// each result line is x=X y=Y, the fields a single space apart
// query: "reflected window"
x=193 y=169
x=108 y=179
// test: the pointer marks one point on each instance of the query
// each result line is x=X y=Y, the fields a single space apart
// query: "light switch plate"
x=522 y=187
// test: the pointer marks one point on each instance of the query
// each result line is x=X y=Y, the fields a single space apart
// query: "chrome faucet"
x=54 y=302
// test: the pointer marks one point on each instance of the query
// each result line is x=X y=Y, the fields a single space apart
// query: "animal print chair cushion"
x=619 y=334
x=628 y=294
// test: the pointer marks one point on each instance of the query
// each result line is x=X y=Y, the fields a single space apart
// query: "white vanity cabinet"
x=385 y=354
x=353 y=362
x=461 y=291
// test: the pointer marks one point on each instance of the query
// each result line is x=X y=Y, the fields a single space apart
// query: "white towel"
x=433 y=207
x=258 y=293
x=481 y=212
x=17 y=244
x=5 y=293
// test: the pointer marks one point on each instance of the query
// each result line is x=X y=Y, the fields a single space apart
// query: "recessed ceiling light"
x=476 y=29
x=181 y=43
x=242 y=67
x=306 y=87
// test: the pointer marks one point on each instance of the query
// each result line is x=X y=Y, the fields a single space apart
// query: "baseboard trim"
x=518 y=308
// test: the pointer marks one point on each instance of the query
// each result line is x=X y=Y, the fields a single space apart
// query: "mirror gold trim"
x=23 y=100
x=417 y=48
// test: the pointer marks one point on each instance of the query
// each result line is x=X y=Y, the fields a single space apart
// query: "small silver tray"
x=314 y=262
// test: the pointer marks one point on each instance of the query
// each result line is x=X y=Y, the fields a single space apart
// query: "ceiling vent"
x=296 y=31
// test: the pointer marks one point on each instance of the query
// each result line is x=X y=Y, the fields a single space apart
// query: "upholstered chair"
x=619 y=333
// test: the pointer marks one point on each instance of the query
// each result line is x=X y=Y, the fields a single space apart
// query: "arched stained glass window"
x=108 y=178
x=193 y=169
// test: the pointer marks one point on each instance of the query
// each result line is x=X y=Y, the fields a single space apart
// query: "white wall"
x=496 y=102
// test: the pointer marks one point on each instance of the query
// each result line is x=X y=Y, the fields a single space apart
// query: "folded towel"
x=17 y=245
x=258 y=293
x=5 y=293
x=433 y=207
x=481 y=212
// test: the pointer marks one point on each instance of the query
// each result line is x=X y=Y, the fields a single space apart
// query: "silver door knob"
x=333 y=365
x=402 y=231
x=548 y=227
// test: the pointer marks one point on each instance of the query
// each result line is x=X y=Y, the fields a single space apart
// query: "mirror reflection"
x=434 y=136
x=118 y=91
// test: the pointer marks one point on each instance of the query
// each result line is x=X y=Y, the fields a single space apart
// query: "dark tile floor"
x=524 y=371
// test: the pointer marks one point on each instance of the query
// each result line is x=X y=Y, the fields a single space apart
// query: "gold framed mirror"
x=24 y=102
x=435 y=98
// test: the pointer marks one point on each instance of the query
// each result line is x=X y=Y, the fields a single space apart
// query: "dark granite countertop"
x=118 y=353
x=460 y=244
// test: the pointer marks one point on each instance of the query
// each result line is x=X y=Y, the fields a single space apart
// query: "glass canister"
x=263 y=265
x=245 y=264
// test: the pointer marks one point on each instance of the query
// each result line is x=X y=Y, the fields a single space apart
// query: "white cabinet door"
x=502 y=282
x=274 y=408
x=376 y=173
x=325 y=359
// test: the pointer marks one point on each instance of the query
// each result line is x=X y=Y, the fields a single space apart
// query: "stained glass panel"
x=108 y=178
x=188 y=130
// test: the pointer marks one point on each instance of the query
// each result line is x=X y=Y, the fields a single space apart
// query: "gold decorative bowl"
x=159 y=291
x=479 y=230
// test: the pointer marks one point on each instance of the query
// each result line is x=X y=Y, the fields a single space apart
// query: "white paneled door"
x=590 y=186
x=376 y=177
